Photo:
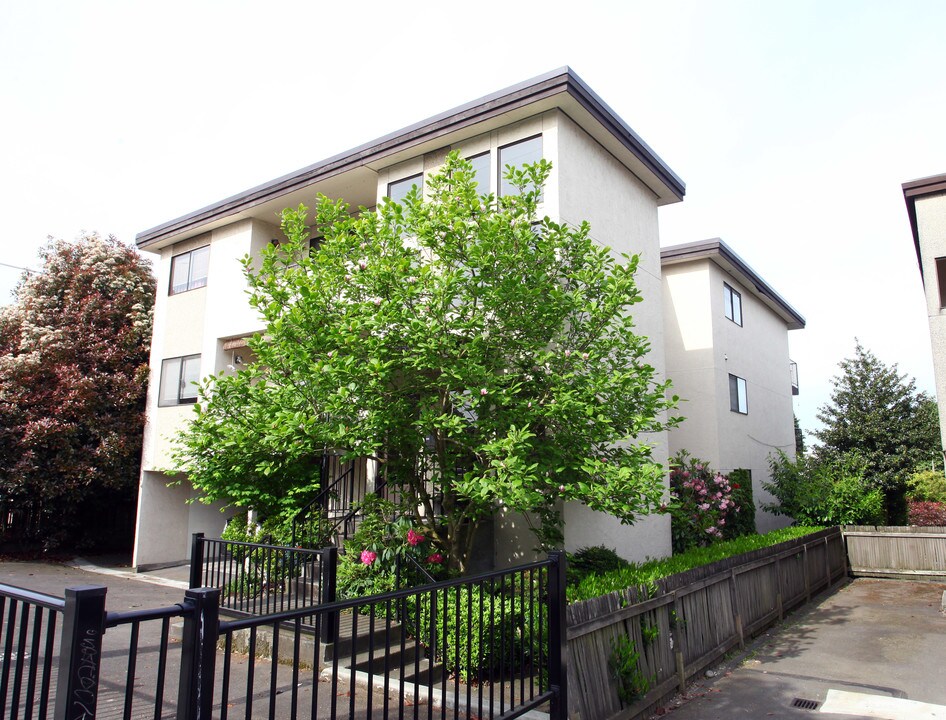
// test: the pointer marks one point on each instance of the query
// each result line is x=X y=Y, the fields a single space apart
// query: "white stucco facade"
x=704 y=348
x=926 y=207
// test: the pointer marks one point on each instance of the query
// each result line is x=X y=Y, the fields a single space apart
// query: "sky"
x=793 y=124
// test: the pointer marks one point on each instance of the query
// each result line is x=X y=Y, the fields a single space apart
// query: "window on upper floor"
x=189 y=270
x=480 y=165
x=517 y=154
x=399 y=189
x=179 y=377
x=737 y=395
x=941 y=280
x=732 y=304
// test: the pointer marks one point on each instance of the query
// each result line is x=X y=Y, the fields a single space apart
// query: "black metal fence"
x=259 y=579
x=486 y=646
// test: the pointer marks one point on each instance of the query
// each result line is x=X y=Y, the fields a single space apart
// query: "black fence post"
x=197 y=560
x=558 y=640
x=328 y=592
x=198 y=653
x=80 y=653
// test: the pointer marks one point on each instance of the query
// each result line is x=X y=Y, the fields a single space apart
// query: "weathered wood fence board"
x=896 y=551
x=699 y=615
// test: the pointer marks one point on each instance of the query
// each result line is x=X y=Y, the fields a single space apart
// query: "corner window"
x=737 y=395
x=732 y=303
x=480 y=165
x=189 y=270
x=525 y=152
x=179 y=378
x=941 y=280
x=399 y=189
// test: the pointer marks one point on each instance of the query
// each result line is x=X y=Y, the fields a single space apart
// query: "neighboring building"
x=602 y=172
x=926 y=207
x=726 y=344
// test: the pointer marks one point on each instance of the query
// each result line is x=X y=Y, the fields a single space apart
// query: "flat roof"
x=724 y=256
x=560 y=88
x=933 y=185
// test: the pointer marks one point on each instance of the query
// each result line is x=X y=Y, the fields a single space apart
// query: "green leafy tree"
x=824 y=491
x=877 y=413
x=486 y=357
x=799 y=438
x=73 y=376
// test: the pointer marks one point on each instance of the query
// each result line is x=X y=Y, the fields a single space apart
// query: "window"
x=941 y=280
x=521 y=153
x=737 y=395
x=179 y=378
x=480 y=165
x=189 y=270
x=398 y=189
x=732 y=302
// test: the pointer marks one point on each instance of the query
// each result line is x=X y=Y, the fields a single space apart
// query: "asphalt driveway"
x=872 y=649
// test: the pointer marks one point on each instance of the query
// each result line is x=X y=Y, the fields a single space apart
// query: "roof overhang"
x=721 y=254
x=341 y=176
x=935 y=185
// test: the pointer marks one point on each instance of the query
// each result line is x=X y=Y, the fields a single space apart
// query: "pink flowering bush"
x=376 y=557
x=701 y=503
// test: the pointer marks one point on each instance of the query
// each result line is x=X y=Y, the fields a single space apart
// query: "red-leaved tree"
x=73 y=377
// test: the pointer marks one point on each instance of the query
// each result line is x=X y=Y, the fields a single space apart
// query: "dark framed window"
x=941 y=280
x=738 y=402
x=398 y=189
x=517 y=154
x=189 y=270
x=480 y=165
x=732 y=302
x=179 y=377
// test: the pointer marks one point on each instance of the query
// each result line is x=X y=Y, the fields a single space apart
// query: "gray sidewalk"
x=873 y=649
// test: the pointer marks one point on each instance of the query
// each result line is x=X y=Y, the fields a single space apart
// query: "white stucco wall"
x=703 y=348
x=931 y=227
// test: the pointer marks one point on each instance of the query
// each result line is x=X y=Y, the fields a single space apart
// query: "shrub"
x=927 y=485
x=815 y=491
x=645 y=575
x=377 y=558
x=926 y=514
x=701 y=502
x=741 y=522
x=594 y=560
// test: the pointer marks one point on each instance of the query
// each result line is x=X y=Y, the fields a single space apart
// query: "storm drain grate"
x=805 y=704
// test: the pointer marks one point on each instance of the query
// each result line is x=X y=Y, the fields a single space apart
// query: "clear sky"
x=792 y=123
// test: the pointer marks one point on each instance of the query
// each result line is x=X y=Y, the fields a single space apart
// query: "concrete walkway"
x=873 y=649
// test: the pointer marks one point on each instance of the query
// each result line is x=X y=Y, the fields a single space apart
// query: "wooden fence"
x=689 y=622
x=904 y=552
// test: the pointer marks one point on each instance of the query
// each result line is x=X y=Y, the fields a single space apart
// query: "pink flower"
x=368 y=557
x=414 y=538
x=584 y=356
x=702 y=491
x=698 y=468
x=704 y=506
x=483 y=391
x=435 y=558
x=721 y=522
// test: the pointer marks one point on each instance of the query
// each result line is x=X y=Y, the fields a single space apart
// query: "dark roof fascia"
x=715 y=246
x=503 y=101
x=911 y=191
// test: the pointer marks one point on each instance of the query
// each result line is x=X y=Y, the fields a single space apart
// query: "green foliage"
x=624 y=663
x=490 y=628
x=878 y=414
x=73 y=377
x=927 y=485
x=824 y=491
x=482 y=354
x=742 y=522
x=376 y=558
x=593 y=561
x=702 y=503
x=645 y=575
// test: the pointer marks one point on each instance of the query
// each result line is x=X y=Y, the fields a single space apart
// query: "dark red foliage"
x=73 y=376
x=927 y=514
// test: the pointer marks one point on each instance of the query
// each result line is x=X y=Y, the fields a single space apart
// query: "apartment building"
x=603 y=172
